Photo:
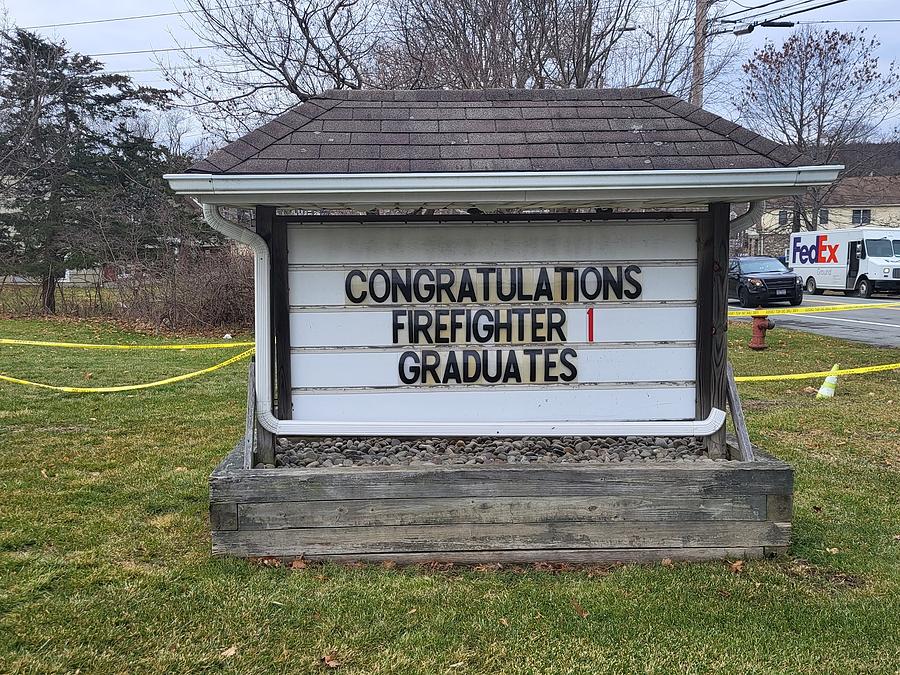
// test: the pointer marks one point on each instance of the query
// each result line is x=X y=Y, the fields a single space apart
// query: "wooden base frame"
x=574 y=513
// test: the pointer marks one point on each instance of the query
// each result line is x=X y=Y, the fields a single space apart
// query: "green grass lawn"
x=105 y=565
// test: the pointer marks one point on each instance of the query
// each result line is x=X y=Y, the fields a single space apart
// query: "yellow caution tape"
x=129 y=387
x=822 y=373
x=809 y=310
x=88 y=345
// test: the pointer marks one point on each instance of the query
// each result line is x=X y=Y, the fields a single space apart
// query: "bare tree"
x=270 y=55
x=581 y=39
x=462 y=44
x=819 y=92
x=658 y=50
x=275 y=53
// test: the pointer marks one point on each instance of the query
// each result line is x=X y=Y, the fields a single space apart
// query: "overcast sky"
x=166 y=32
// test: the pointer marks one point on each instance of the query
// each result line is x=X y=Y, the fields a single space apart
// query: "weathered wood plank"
x=478 y=537
x=363 y=512
x=712 y=317
x=719 y=479
x=281 y=320
x=780 y=508
x=745 y=447
x=569 y=556
x=232 y=464
x=223 y=516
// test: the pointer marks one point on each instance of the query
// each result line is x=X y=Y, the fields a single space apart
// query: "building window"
x=823 y=216
x=862 y=216
x=782 y=218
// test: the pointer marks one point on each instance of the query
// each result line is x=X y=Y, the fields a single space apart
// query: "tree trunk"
x=795 y=224
x=48 y=293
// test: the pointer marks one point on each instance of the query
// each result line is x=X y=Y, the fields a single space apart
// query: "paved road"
x=873 y=326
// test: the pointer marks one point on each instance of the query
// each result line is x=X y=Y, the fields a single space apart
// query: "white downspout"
x=262 y=319
x=744 y=221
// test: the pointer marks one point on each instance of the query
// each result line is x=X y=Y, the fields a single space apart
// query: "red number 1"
x=590 y=326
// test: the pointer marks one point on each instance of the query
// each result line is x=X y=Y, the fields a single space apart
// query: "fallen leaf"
x=504 y=622
x=458 y=664
x=389 y=564
x=181 y=469
x=228 y=653
x=817 y=509
x=810 y=390
x=897 y=537
x=330 y=660
x=88 y=376
x=667 y=562
x=723 y=593
x=579 y=610
x=833 y=551
x=412 y=611
x=44 y=473
x=298 y=564
x=487 y=567
x=737 y=566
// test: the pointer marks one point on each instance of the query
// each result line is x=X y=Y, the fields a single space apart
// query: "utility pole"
x=699 y=51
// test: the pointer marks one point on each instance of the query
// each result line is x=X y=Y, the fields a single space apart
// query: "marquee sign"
x=522 y=321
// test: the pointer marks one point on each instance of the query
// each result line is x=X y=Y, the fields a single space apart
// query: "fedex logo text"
x=820 y=252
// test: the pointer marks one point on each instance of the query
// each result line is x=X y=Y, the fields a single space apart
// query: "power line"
x=753 y=17
x=746 y=25
x=748 y=9
x=154 y=51
x=809 y=9
x=851 y=21
x=131 y=18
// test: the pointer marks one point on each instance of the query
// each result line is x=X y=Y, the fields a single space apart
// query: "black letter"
x=567 y=359
x=413 y=371
x=401 y=285
x=348 y=285
x=612 y=282
x=584 y=288
x=430 y=362
x=396 y=328
x=630 y=271
x=387 y=285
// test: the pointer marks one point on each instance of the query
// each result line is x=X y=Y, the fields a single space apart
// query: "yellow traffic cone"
x=828 y=386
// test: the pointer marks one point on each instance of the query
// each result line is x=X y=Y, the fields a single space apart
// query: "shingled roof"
x=343 y=131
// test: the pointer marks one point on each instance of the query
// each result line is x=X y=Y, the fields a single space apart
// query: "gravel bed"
x=385 y=451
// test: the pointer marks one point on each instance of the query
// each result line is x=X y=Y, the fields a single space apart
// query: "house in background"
x=855 y=201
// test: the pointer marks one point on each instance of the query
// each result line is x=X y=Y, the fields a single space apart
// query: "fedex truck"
x=861 y=260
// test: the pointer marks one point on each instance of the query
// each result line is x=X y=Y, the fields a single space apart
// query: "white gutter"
x=524 y=188
x=264 y=404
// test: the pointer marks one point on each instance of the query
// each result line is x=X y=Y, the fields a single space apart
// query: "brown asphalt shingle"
x=343 y=131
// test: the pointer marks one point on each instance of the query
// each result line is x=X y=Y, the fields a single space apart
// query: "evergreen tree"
x=67 y=132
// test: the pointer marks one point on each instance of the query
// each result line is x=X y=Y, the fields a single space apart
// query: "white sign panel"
x=493 y=322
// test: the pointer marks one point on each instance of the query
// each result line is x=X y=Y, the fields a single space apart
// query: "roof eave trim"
x=474 y=187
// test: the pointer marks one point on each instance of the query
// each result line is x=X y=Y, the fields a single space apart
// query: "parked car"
x=757 y=280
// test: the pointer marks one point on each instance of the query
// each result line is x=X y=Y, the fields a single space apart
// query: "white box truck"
x=861 y=260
